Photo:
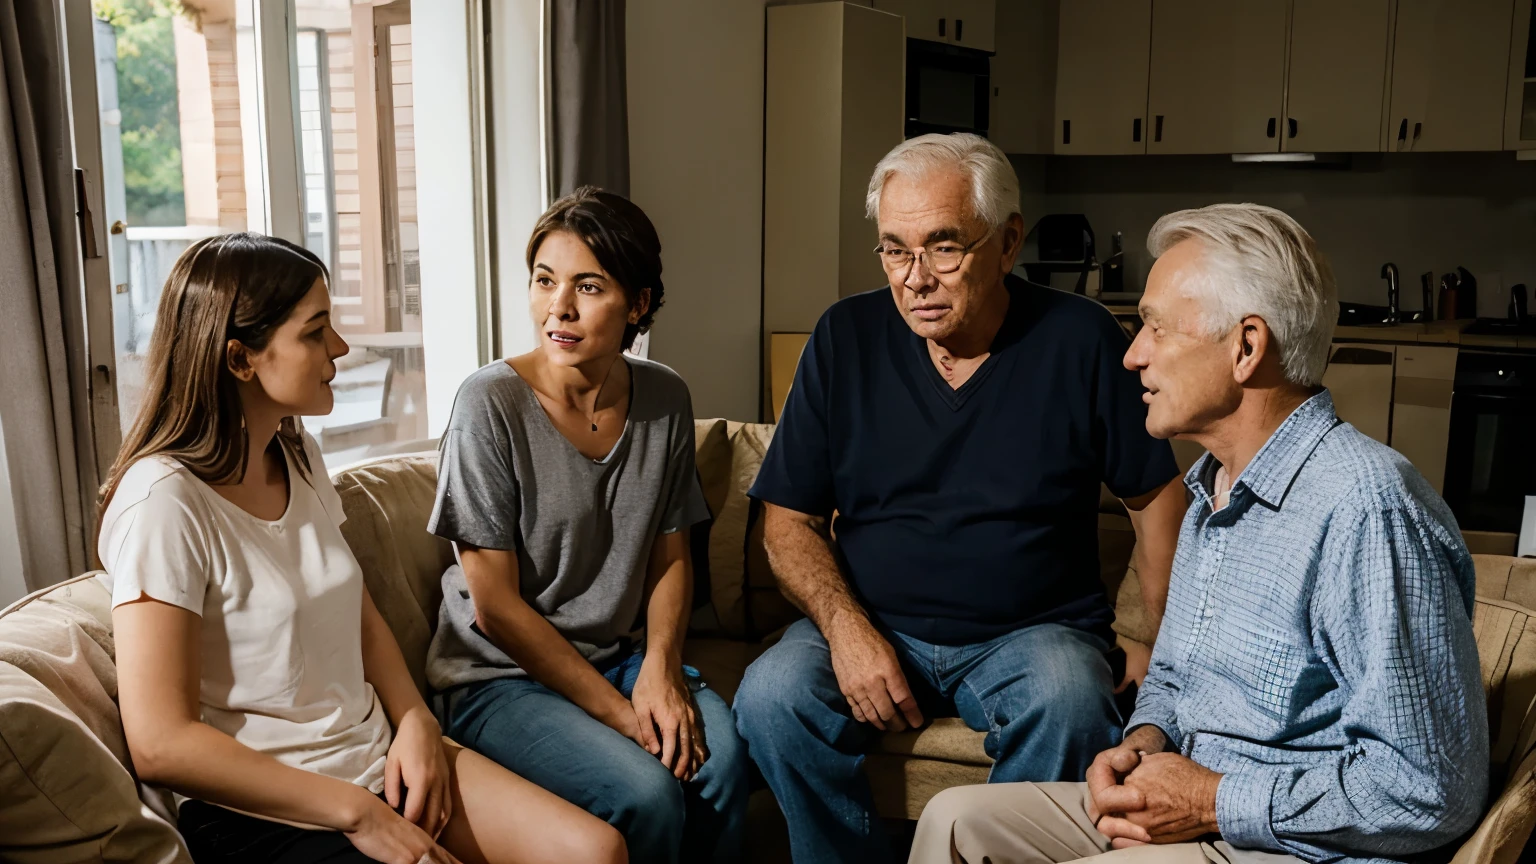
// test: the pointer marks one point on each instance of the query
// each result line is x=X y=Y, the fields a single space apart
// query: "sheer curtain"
x=44 y=401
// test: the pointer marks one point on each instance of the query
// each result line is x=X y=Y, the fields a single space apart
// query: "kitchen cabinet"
x=1217 y=76
x=967 y=23
x=1024 y=77
x=1336 y=80
x=1520 y=103
x=1360 y=378
x=1450 y=71
x=1101 y=77
x=833 y=99
x=1421 y=408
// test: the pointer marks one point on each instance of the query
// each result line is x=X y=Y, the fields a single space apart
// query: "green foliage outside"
x=146 y=94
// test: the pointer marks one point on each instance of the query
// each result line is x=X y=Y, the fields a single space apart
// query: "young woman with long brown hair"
x=255 y=675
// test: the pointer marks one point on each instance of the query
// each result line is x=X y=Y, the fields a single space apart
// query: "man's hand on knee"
x=870 y=677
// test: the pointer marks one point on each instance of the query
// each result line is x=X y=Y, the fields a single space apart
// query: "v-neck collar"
x=956 y=397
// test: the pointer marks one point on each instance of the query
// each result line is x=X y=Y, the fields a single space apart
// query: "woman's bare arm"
x=159 y=673
x=533 y=643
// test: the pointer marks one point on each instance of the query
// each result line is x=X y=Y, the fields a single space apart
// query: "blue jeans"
x=1042 y=694
x=545 y=738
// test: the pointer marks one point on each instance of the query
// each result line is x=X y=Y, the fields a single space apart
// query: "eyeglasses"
x=945 y=257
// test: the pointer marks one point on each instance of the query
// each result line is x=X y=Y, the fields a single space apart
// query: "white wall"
x=517 y=94
x=695 y=81
x=1421 y=211
x=12 y=586
x=445 y=199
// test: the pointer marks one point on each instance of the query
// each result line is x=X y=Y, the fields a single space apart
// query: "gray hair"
x=994 y=185
x=1259 y=261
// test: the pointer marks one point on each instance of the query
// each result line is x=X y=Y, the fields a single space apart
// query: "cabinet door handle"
x=941 y=28
x=1157 y=129
x=1066 y=131
x=959 y=27
x=1292 y=123
x=1136 y=130
x=1270 y=132
x=1417 y=128
x=1402 y=133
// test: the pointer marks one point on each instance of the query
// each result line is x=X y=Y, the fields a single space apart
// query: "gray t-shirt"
x=583 y=529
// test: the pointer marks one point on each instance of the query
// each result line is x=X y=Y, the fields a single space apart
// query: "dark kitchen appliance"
x=1490 y=461
x=1517 y=307
x=1449 y=303
x=949 y=88
x=1060 y=243
x=1466 y=293
x=1427 y=285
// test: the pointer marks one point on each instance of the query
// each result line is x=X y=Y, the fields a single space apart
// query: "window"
x=193 y=145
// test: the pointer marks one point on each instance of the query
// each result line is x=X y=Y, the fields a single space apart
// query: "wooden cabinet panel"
x=973 y=23
x=1101 y=77
x=1337 y=78
x=1450 y=68
x=1421 y=408
x=1024 y=76
x=1360 y=378
x=1520 y=103
x=934 y=20
x=1217 y=78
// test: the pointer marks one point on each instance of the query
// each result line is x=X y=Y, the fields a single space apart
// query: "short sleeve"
x=1134 y=463
x=685 y=498
x=797 y=471
x=477 y=501
x=155 y=547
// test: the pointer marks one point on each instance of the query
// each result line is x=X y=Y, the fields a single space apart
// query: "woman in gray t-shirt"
x=567 y=485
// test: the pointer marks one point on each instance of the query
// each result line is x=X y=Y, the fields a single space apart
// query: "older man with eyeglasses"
x=959 y=424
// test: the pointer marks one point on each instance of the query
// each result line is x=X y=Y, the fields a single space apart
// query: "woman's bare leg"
x=500 y=818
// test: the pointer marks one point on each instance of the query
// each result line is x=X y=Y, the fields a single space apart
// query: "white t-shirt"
x=281 y=603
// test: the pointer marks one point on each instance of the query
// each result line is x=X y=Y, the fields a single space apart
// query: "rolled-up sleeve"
x=1391 y=617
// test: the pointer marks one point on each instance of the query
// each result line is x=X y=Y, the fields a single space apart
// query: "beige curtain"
x=588 y=113
x=44 y=401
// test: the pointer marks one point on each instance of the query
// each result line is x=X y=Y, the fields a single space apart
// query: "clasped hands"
x=1138 y=794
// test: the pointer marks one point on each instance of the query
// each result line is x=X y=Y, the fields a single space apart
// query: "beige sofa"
x=67 y=792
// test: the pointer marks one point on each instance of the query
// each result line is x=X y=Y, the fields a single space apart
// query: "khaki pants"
x=1042 y=823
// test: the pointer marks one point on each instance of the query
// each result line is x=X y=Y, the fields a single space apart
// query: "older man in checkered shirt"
x=1314 y=691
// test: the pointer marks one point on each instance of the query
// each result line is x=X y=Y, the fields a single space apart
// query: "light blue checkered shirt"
x=1318 y=651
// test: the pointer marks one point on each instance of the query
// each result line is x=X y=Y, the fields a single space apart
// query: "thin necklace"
x=592 y=415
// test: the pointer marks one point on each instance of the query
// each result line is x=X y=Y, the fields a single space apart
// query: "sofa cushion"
x=1506 y=651
x=1505 y=577
x=388 y=502
x=1506 y=645
x=743 y=590
x=66 y=791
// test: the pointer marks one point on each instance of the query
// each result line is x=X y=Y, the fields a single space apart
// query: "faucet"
x=1389 y=273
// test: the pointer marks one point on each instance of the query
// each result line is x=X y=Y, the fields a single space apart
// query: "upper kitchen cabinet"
x=1217 y=80
x=1101 y=76
x=966 y=23
x=1520 y=104
x=1024 y=76
x=1450 y=70
x=1337 y=76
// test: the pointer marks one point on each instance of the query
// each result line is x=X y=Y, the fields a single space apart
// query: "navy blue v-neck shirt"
x=964 y=514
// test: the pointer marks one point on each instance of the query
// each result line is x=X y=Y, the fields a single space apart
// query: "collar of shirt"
x=1269 y=476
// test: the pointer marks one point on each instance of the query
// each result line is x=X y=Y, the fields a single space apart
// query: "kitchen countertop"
x=1429 y=333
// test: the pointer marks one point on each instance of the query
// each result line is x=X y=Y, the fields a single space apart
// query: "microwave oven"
x=949 y=88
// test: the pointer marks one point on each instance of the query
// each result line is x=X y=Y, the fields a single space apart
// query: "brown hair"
x=235 y=286
x=620 y=236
